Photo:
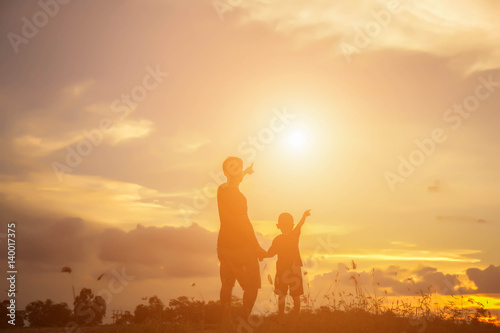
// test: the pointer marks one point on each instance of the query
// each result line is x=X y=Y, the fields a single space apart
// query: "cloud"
x=56 y=242
x=111 y=201
x=129 y=129
x=398 y=281
x=153 y=253
x=459 y=219
x=394 y=279
x=418 y=26
x=80 y=88
x=34 y=146
x=404 y=244
x=429 y=278
x=48 y=242
x=410 y=255
x=486 y=280
x=166 y=257
x=163 y=252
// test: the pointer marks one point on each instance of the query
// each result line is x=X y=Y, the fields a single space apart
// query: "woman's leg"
x=296 y=306
x=281 y=305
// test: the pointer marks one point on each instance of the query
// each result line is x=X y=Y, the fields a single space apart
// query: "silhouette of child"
x=288 y=272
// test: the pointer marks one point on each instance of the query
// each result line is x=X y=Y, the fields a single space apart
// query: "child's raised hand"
x=307 y=213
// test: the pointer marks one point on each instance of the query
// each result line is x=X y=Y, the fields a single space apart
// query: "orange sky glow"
x=379 y=116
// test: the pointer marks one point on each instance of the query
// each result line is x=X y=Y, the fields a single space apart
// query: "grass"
x=323 y=319
x=359 y=311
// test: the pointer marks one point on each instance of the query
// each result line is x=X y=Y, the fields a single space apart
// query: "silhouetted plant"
x=47 y=314
x=123 y=318
x=89 y=309
x=181 y=310
x=153 y=312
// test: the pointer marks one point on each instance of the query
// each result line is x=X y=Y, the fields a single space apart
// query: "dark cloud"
x=428 y=278
x=56 y=242
x=164 y=252
x=46 y=243
x=49 y=239
x=486 y=280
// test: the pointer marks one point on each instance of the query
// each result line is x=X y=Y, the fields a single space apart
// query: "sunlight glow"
x=403 y=257
x=297 y=139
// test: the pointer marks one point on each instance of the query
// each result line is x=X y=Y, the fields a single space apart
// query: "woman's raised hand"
x=248 y=170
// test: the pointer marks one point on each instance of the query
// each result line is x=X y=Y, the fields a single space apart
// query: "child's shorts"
x=289 y=279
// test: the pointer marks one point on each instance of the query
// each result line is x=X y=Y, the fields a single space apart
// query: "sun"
x=302 y=143
x=297 y=139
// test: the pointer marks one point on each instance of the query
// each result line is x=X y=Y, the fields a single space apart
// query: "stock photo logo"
x=366 y=34
x=94 y=137
x=453 y=117
x=30 y=28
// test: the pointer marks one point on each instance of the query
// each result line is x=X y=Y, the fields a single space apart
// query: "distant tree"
x=20 y=318
x=156 y=307
x=47 y=314
x=153 y=312
x=123 y=318
x=213 y=312
x=181 y=309
x=141 y=314
x=89 y=309
x=35 y=313
x=188 y=310
x=184 y=309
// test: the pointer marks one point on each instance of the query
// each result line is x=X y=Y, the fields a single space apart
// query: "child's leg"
x=281 y=289
x=296 y=306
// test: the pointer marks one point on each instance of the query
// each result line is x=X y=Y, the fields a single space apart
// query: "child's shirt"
x=286 y=246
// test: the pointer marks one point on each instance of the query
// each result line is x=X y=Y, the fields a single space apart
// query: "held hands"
x=261 y=254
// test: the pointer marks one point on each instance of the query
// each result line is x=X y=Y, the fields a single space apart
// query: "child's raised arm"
x=303 y=219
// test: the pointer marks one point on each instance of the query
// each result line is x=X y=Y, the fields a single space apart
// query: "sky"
x=381 y=117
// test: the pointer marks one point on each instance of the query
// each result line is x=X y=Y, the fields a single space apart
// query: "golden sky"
x=381 y=117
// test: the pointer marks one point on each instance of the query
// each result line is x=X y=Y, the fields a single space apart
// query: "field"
x=356 y=311
x=320 y=320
